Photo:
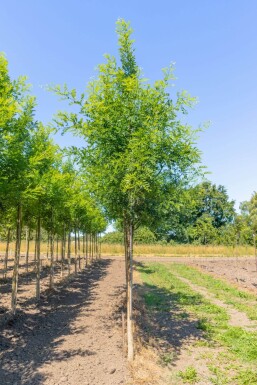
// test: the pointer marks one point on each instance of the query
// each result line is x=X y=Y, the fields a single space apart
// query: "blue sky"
x=213 y=43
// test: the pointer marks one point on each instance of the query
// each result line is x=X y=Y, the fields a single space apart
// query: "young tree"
x=137 y=149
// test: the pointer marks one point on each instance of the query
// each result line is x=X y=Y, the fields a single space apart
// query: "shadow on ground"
x=31 y=339
x=161 y=320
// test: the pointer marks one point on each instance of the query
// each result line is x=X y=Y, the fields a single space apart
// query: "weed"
x=167 y=358
x=189 y=375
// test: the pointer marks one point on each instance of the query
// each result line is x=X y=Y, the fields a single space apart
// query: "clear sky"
x=213 y=43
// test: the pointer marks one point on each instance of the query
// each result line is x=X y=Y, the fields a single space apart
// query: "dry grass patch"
x=179 y=250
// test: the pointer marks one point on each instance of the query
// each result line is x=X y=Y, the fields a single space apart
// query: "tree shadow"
x=161 y=319
x=31 y=339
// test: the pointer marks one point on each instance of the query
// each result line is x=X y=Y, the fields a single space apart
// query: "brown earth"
x=72 y=337
x=240 y=271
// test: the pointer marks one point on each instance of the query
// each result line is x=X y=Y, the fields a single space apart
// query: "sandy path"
x=74 y=338
x=237 y=318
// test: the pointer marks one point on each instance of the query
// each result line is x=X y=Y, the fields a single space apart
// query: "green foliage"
x=34 y=173
x=113 y=237
x=253 y=212
x=143 y=235
x=138 y=151
x=199 y=214
x=189 y=375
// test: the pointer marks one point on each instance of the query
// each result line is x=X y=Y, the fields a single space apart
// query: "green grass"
x=241 y=300
x=189 y=375
x=166 y=292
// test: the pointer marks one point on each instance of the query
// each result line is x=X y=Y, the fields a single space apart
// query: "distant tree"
x=143 y=235
x=252 y=206
x=214 y=201
x=195 y=209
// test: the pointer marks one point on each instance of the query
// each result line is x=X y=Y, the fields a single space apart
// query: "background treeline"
x=202 y=214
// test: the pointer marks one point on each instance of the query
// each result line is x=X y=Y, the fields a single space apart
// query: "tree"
x=194 y=208
x=17 y=124
x=137 y=150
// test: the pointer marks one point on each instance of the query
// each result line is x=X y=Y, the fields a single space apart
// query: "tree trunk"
x=86 y=249
x=38 y=266
x=35 y=248
x=100 y=245
x=76 y=253
x=63 y=250
x=27 y=250
x=7 y=252
x=51 y=240
x=129 y=276
x=69 y=251
x=16 y=260
x=48 y=244
x=96 y=255
x=126 y=244
x=91 y=247
x=83 y=248
x=79 y=251
x=57 y=248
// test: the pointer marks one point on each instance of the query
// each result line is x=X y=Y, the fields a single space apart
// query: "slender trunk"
x=51 y=240
x=129 y=230
x=27 y=250
x=7 y=252
x=27 y=254
x=86 y=249
x=69 y=251
x=83 y=248
x=57 y=244
x=125 y=230
x=63 y=251
x=100 y=245
x=96 y=245
x=130 y=297
x=96 y=255
x=16 y=260
x=48 y=244
x=91 y=246
x=38 y=267
x=79 y=251
x=76 y=253
x=35 y=248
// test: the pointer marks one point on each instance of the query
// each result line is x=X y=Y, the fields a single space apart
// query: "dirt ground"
x=73 y=337
x=241 y=271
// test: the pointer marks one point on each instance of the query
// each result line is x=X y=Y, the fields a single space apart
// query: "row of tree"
x=138 y=166
x=40 y=186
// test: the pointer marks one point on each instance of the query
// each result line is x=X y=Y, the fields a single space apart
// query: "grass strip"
x=166 y=291
x=241 y=300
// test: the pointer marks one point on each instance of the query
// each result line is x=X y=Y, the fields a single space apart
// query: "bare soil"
x=72 y=337
x=240 y=271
